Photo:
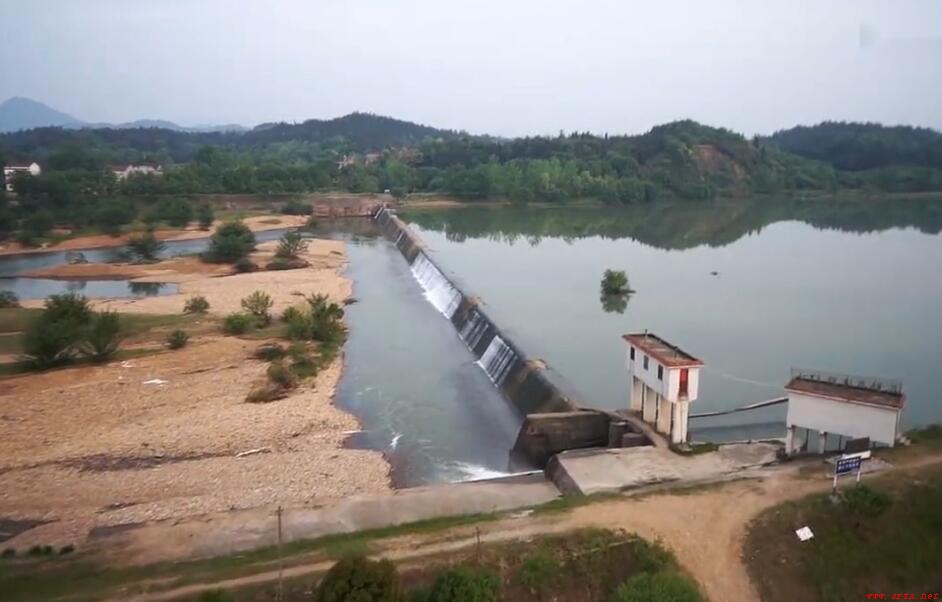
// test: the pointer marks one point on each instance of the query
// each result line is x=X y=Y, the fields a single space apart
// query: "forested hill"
x=356 y=132
x=679 y=160
x=361 y=131
x=857 y=146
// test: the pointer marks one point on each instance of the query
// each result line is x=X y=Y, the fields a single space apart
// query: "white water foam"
x=476 y=472
x=497 y=359
x=438 y=290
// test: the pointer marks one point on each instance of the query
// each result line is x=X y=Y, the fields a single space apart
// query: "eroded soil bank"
x=170 y=435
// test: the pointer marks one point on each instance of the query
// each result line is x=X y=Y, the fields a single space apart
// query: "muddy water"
x=412 y=382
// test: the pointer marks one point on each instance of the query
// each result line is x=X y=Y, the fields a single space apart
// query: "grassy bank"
x=882 y=538
x=142 y=333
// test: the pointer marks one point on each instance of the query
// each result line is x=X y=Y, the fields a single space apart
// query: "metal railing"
x=871 y=383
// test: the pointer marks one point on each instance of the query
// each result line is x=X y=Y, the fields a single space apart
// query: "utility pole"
x=281 y=564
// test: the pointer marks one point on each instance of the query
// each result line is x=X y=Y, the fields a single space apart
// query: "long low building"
x=844 y=405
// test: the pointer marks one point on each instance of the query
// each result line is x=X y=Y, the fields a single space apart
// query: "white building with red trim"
x=664 y=380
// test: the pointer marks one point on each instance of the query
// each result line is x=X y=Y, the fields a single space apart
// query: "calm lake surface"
x=843 y=286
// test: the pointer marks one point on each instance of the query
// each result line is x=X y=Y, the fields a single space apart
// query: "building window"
x=631 y=353
x=645 y=362
x=660 y=372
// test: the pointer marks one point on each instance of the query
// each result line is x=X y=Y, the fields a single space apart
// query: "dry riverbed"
x=169 y=435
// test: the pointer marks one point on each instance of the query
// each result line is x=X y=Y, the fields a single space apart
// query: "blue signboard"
x=847 y=465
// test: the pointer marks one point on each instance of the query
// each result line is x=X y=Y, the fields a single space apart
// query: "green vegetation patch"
x=881 y=537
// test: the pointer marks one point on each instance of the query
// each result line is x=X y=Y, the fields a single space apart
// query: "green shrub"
x=236 y=323
x=360 y=579
x=322 y=307
x=259 y=304
x=145 y=248
x=290 y=313
x=38 y=224
x=175 y=211
x=657 y=587
x=282 y=375
x=285 y=263
x=540 y=570
x=864 y=501
x=8 y=553
x=177 y=339
x=651 y=557
x=615 y=282
x=111 y=214
x=291 y=245
x=464 y=584
x=230 y=242
x=204 y=214
x=244 y=265
x=303 y=362
x=41 y=551
x=67 y=307
x=269 y=352
x=217 y=595
x=102 y=337
x=66 y=550
x=9 y=299
x=196 y=304
x=54 y=336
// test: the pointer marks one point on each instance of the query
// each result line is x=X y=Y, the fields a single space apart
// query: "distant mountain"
x=19 y=113
x=858 y=146
x=23 y=113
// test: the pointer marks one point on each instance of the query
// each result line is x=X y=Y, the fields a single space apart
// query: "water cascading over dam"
x=524 y=383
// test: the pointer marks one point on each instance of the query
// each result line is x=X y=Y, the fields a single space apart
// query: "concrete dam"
x=553 y=418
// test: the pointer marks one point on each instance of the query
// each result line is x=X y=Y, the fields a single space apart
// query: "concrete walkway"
x=237 y=531
x=608 y=470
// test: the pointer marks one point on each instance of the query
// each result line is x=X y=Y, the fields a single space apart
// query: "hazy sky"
x=506 y=67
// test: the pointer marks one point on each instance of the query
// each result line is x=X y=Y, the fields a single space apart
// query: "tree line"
x=683 y=160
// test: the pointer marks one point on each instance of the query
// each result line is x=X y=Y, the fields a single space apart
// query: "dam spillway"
x=524 y=383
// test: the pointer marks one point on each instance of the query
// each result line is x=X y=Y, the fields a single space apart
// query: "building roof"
x=848 y=390
x=662 y=351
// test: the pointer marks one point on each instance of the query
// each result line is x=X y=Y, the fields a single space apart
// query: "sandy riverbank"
x=257 y=223
x=96 y=447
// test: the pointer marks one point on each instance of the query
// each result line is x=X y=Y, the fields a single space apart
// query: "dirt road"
x=705 y=528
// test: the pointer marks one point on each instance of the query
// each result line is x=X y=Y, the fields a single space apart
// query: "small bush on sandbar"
x=282 y=375
x=230 y=242
x=177 y=339
x=102 y=336
x=55 y=336
x=237 y=323
x=290 y=245
x=269 y=352
x=259 y=305
x=197 y=304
